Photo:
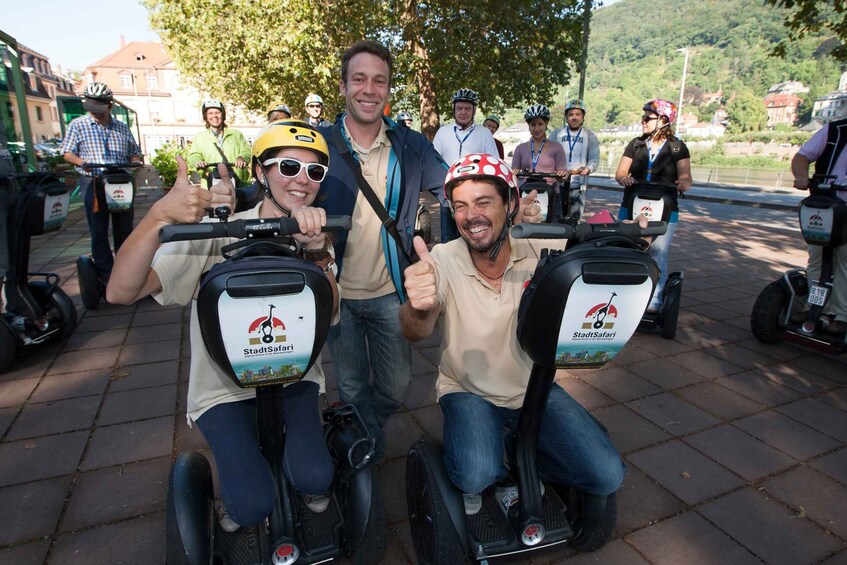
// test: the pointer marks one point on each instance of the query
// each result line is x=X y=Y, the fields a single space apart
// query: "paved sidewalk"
x=735 y=450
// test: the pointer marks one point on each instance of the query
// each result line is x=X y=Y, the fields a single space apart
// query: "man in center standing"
x=458 y=139
x=395 y=164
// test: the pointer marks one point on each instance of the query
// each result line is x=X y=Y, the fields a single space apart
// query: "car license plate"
x=817 y=296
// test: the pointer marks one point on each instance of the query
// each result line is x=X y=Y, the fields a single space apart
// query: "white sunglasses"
x=290 y=168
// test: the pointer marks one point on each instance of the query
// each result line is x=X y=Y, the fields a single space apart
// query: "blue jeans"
x=369 y=339
x=98 y=226
x=577 y=202
x=572 y=447
x=660 y=251
x=449 y=232
x=248 y=488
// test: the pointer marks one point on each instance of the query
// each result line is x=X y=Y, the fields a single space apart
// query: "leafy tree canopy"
x=811 y=17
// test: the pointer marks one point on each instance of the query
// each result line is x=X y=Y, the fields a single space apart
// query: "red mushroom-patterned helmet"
x=662 y=108
x=484 y=167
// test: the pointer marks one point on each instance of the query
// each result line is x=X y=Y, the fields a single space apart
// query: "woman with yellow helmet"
x=290 y=159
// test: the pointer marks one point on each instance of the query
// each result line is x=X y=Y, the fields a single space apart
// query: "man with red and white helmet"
x=476 y=283
x=463 y=137
x=582 y=149
x=660 y=159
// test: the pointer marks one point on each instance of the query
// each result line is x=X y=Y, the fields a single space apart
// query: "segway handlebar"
x=244 y=229
x=822 y=183
x=124 y=165
x=526 y=173
x=586 y=231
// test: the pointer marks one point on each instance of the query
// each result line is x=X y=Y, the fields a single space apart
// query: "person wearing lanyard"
x=827 y=149
x=219 y=143
x=540 y=154
x=583 y=150
x=452 y=141
x=658 y=158
x=98 y=138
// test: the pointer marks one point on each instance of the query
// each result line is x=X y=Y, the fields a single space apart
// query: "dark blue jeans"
x=248 y=489
x=98 y=226
x=572 y=447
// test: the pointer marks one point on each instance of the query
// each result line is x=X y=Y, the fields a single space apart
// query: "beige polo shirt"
x=365 y=274
x=479 y=348
x=179 y=266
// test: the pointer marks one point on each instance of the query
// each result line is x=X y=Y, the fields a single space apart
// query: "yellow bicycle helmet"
x=291 y=133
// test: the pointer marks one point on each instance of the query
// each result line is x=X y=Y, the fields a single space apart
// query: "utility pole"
x=583 y=57
x=682 y=86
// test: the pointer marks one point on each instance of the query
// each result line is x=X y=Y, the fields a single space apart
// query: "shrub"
x=165 y=162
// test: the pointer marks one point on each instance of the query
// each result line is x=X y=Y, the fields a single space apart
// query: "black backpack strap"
x=387 y=221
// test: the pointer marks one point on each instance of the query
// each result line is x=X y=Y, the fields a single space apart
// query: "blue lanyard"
x=464 y=139
x=104 y=134
x=652 y=157
x=535 y=157
x=572 y=145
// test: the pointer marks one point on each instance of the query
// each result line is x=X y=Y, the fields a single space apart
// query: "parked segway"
x=37 y=311
x=114 y=188
x=236 y=295
x=210 y=176
x=779 y=309
x=580 y=308
x=656 y=205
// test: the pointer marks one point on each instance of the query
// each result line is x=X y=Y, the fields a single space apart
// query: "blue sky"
x=76 y=34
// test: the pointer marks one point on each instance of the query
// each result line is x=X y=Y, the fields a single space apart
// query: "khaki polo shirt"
x=479 y=348
x=365 y=274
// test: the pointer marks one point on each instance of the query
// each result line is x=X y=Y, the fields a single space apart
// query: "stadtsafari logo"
x=815 y=221
x=646 y=211
x=602 y=316
x=266 y=334
x=118 y=193
x=57 y=209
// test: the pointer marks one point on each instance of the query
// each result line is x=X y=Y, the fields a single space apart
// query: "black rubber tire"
x=175 y=552
x=89 y=285
x=769 y=308
x=672 y=316
x=8 y=345
x=592 y=540
x=372 y=546
x=425 y=228
x=434 y=537
x=59 y=307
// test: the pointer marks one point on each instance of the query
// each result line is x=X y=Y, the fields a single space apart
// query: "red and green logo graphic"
x=646 y=211
x=267 y=329
x=815 y=221
x=598 y=316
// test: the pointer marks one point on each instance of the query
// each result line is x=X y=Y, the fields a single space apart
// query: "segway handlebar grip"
x=276 y=227
x=542 y=231
x=205 y=230
x=634 y=230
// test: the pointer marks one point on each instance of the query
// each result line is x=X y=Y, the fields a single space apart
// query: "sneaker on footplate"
x=317 y=503
x=473 y=503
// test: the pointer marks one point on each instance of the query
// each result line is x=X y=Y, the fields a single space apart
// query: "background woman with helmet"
x=540 y=154
x=290 y=160
x=206 y=147
x=657 y=158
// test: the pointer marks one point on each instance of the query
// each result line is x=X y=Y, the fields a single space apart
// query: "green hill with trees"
x=633 y=57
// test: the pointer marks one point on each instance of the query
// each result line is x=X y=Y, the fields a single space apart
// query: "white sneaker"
x=227 y=524
x=473 y=503
x=316 y=503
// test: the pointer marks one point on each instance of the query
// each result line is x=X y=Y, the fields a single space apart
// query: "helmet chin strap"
x=495 y=249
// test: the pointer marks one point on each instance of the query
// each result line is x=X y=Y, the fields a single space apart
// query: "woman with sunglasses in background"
x=290 y=159
x=660 y=159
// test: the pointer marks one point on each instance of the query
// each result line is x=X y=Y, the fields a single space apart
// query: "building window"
x=38 y=115
x=152 y=82
x=126 y=80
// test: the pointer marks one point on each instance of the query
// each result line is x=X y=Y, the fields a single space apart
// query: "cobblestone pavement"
x=735 y=450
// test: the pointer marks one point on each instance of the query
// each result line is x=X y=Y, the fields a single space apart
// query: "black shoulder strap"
x=378 y=207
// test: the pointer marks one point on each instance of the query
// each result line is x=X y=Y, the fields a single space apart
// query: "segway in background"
x=210 y=176
x=580 y=308
x=263 y=286
x=787 y=308
x=37 y=311
x=656 y=205
x=115 y=189
x=554 y=204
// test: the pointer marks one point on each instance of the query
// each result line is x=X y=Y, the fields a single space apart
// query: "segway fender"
x=433 y=451
x=191 y=480
x=357 y=510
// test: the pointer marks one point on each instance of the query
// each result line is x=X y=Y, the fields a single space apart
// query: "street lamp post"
x=682 y=86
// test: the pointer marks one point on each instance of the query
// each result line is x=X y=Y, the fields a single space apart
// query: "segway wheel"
x=89 y=285
x=424 y=227
x=673 y=299
x=767 y=311
x=8 y=345
x=433 y=534
x=190 y=520
x=592 y=532
x=371 y=546
x=59 y=308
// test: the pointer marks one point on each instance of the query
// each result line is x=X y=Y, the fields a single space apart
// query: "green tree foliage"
x=813 y=17
x=165 y=162
x=254 y=52
x=746 y=113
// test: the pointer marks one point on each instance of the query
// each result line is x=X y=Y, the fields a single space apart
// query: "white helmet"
x=98 y=91
x=314 y=99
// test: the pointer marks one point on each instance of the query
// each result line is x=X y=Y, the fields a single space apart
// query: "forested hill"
x=633 y=55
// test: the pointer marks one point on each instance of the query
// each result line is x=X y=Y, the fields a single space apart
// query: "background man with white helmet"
x=453 y=141
x=217 y=138
x=98 y=138
x=404 y=118
x=582 y=150
x=315 y=109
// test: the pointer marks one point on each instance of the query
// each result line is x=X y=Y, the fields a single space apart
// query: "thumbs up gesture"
x=422 y=279
x=530 y=210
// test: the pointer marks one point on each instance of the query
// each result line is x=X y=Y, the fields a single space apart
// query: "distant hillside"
x=633 y=57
